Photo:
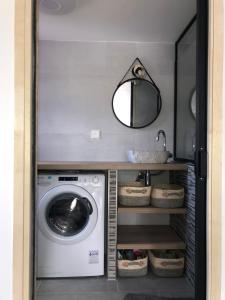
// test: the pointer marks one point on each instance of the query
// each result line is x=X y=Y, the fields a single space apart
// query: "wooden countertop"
x=44 y=166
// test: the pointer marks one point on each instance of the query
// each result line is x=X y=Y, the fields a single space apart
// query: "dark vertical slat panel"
x=185 y=225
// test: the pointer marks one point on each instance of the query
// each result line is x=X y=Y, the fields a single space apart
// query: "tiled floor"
x=101 y=289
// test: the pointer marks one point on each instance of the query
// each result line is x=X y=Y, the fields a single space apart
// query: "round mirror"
x=136 y=103
x=193 y=104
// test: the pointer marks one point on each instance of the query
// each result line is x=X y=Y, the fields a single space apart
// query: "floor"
x=99 y=288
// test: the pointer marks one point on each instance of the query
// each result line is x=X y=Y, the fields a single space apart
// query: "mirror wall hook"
x=137 y=70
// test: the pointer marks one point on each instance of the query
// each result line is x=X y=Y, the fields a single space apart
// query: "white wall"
x=77 y=81
x=6 y=142
x=120 y=20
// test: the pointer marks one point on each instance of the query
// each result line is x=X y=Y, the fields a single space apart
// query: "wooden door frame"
x=22 y=246
x=22 y=227
x=216 y=133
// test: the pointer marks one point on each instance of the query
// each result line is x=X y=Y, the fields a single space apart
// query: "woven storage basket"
x=133 y=268
x=167 y=267
x=167 y=196
x=134 y=194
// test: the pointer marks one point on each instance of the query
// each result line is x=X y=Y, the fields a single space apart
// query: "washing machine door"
x=67 y=214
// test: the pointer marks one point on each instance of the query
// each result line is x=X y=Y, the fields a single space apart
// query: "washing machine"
x=70 y=225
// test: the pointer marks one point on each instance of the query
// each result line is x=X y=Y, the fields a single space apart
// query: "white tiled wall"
x=76 y=84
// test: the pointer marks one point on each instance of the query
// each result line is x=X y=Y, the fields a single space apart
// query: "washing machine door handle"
x=88 y=205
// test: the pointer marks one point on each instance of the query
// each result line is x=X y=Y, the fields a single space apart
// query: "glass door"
x=190 y=123
x=68 y=214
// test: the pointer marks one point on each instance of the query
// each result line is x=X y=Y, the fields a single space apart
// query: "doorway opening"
x=84 y=49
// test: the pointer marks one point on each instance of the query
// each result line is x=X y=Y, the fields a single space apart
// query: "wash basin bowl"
x=154 y=157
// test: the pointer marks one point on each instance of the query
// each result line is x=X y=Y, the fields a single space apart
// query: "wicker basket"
x=167 y=196
x=133 y=268
x=163 y=265
x=134 y=194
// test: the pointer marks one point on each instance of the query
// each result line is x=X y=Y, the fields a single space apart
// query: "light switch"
x=95 y=134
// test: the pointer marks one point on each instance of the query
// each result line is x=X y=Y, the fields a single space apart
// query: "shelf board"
x=151 y=210
x=48 y=166
x=148 y=237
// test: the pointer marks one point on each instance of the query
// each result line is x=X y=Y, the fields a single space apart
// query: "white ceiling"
x=117 y=20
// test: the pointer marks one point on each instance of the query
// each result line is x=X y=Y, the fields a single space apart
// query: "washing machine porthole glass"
x=68 y=214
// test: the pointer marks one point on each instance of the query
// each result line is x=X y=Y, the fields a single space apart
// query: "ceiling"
x=114 y=20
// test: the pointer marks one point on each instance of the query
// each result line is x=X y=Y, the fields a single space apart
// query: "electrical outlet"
x=95 y=134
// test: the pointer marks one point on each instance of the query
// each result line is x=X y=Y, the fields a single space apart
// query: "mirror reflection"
x=193 y=104
x=185 y=113
x=136 y=103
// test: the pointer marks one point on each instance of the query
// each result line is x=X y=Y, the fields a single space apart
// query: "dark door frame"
x=201 y=150
x=200 y=160
x=201 y=142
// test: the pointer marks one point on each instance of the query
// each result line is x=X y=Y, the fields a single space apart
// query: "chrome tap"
x=162 y=132
x=145 y=177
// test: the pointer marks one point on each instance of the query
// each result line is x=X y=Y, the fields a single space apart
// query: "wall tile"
x=77 y=81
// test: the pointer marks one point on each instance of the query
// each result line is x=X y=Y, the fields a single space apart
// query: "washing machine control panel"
x=68 y=178
x=93 y=179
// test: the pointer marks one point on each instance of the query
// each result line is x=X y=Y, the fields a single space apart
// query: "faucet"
x=162 y=132
x=145 y=177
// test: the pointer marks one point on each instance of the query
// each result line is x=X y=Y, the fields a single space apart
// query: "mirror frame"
x=158 y=96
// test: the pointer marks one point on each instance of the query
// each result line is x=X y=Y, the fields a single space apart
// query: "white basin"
x=154 y=157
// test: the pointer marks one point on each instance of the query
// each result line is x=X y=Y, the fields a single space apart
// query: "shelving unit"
x=132 y=236
x=148 y=237
x=151 y=210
